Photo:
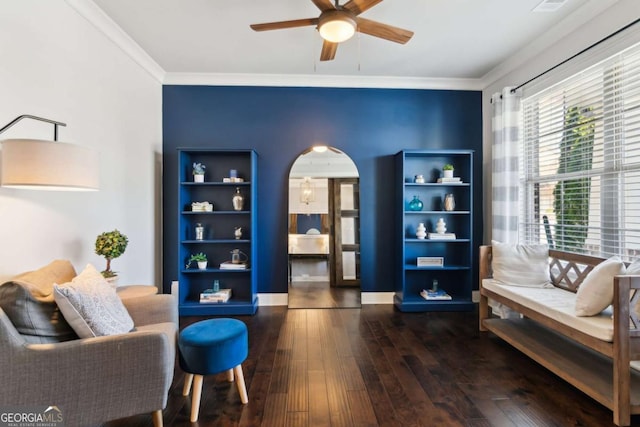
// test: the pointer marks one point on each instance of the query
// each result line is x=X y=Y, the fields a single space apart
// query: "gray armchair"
x=94 y=380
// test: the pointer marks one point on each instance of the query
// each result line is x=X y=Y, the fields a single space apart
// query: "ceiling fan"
x=338 y=23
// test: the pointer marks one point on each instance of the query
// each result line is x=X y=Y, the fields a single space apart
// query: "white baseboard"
x=475 y=296
x=273 y=299
x=377 y=297
x=310 y=278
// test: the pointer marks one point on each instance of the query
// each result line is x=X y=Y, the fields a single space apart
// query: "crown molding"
x=96 y=16
x=311 y=80
x=569 y=24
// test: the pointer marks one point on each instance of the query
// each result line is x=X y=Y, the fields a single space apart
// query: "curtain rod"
x=576 y=55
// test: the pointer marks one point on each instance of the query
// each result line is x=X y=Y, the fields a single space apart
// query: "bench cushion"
x=557 y=304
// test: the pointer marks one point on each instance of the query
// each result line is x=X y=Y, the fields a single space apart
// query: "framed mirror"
x=324 y=230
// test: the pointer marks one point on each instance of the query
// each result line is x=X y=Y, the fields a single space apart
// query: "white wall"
x=57 y=65
x=615 y=16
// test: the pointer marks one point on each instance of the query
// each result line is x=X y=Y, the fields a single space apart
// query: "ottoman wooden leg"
x=195 y=399
x=188 y=379
x=242 y=389
x=230 y=375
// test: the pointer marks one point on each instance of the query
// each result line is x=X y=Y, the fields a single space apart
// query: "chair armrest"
x=150 y=309
x=93 y=379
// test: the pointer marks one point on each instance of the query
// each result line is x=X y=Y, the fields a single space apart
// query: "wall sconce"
x=47 y=165
x=307 y=191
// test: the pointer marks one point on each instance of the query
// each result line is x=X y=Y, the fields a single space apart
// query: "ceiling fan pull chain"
x=314 y=55
x=359 y=51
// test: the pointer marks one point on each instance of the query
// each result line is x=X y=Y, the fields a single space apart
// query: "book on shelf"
x=438 y=295
x=449 y=180
x=228 y=265
x=441 y=236
x=222 y=295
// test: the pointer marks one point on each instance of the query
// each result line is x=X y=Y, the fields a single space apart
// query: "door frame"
x=336 y=247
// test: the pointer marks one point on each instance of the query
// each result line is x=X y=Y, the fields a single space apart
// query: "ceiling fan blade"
x=284 y=24
x=358 y=6
x=328 y=51
x=323 y=5
x=384 y=31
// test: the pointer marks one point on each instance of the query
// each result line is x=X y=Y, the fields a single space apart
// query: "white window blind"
x=580 y=161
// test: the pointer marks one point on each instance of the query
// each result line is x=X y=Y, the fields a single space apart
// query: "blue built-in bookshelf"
x=219 y=237
x=454 y=276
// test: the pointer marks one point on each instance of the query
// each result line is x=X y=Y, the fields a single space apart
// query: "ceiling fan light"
x=336 y=26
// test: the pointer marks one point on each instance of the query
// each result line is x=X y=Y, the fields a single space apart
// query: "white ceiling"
x=454 y=39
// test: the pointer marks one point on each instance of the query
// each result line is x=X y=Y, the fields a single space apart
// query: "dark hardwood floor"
x=375 y=366
x=321 y=295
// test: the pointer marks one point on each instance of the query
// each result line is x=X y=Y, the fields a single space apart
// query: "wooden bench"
x=599 y=368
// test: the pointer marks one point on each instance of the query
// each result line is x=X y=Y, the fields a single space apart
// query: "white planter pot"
x=198 y=178
x=202 y=265
x=112 y=281
x=448 y=173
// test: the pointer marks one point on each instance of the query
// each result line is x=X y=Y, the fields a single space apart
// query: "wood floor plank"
x=351 y=374
x=383 y=406
x=298 y=389
x=362 y=411
x=275 y=410
x=297 y=419
x=258 y=391
x=404 y=411
x=318 y=399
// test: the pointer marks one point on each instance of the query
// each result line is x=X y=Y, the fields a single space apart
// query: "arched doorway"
x=324 y=230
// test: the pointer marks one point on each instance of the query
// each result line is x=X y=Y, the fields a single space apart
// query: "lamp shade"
x=48 y=165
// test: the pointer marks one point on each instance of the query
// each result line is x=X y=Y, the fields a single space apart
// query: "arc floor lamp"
x=47 y=165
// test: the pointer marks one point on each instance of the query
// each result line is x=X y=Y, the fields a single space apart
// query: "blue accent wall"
x=370 y=125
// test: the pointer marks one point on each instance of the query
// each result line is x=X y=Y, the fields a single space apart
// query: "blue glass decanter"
x=415 y=204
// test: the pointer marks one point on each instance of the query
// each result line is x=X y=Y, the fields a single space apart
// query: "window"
x=580 y=161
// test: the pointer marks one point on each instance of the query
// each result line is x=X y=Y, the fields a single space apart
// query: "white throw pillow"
x=596 y=291
x=521 y=265
x=91 y=306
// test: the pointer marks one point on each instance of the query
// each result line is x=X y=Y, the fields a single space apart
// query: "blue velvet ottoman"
x=210 y=347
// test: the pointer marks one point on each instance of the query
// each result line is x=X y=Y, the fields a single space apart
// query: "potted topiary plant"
x=111 y=245
x=198 y=172
x=200 y=258
x=448 y=170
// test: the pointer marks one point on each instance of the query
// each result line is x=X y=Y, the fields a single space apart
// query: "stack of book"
x=442 y=236
x=453 y=180
x=228 y=265
x=438 y=295
x=210 y=297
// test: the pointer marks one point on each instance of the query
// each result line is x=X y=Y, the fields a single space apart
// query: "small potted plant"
x=448 y=170
x=200 y=258
x=111 y=244
x=198 y=172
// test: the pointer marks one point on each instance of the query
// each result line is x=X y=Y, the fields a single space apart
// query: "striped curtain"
x=505 y=124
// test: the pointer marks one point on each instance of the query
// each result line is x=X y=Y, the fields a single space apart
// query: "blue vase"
x=415 y=204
